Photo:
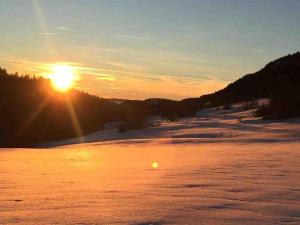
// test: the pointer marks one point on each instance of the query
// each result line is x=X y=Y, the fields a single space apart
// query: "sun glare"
x=63 y=77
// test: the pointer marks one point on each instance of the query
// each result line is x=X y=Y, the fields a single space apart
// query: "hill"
x=276 y=75
x=31 y=112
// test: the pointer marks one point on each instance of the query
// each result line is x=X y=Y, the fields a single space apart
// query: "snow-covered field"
x=211 y=125
x=219 y=168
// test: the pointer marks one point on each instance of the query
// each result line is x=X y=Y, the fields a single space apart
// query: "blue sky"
x=148 y=48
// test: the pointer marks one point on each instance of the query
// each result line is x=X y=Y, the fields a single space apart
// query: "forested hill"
x=31 y=112
x=283 y=73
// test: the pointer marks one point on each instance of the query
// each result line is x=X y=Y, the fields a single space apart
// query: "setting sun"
x=63 y=77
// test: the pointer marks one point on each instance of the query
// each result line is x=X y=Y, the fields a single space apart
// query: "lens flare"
x=155 y=165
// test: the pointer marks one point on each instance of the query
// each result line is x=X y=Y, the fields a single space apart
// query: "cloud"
x=126 y=84
x=46 y=33
x=257 y=50
x=100 y=49
x=158 y=61
x=109 y=78
x=62 y=28
x=144 y=37
x=167 y=87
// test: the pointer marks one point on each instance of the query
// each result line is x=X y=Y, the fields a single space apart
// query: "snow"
x=211 y=169
x=210 y=125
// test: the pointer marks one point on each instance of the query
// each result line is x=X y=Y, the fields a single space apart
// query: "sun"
x=63 y=77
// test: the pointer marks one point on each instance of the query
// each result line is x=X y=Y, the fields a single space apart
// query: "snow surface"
x=210 y=125
x=212 y=170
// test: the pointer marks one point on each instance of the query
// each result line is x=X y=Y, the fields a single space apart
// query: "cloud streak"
x=126 y=84
x=144 y=37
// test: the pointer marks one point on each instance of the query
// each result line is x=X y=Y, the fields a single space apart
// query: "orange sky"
x=122 y=84
x=144 y=49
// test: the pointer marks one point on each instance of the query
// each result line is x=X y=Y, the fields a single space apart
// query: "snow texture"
x=221 y=168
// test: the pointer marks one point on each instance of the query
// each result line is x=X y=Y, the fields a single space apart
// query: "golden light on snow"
x=155 y=165
x=63 y=77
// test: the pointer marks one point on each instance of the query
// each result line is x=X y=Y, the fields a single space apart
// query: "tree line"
x=32 y=113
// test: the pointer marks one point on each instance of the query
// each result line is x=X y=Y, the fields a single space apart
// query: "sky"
x=138 y=49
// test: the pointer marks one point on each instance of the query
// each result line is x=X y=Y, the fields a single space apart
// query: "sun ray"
x=41 y=20
x=75 y=121
x=32 y=118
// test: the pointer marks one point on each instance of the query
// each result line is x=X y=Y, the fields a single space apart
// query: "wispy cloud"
x=258 y=50
x=144 y=37
x=127 y=84
x=46 y=33
x=62 y=28
x=157 y=61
